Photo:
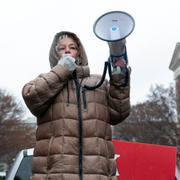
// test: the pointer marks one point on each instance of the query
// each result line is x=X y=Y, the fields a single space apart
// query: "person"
x=73 y=136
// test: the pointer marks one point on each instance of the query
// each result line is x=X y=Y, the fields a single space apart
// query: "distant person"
x=73 y=138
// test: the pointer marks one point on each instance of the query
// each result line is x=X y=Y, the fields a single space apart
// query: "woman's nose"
x=67 y=50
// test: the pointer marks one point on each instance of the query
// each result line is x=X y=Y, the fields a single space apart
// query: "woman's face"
x=67 y=46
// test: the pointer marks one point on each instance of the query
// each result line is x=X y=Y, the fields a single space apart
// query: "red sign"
x=140 y=161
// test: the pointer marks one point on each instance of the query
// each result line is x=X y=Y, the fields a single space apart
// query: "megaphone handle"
x=106 y=65
x=124 y=55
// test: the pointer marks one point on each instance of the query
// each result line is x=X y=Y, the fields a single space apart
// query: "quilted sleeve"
x=40 y=92
x=118 y=100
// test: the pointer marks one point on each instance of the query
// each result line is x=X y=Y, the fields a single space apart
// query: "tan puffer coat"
x=74 y=124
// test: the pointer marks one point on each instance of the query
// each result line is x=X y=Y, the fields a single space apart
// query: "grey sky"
x=28 y=27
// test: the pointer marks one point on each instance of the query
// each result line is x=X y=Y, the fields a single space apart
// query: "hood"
x=53 y=57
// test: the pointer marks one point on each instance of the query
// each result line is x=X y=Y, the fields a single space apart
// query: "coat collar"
x=83 y=71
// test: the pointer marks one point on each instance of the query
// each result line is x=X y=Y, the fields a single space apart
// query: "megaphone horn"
x=114 y=27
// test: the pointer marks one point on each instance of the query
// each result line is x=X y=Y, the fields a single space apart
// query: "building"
x=175 y=67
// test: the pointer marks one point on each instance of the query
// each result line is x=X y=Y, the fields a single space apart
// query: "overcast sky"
x=28 y=27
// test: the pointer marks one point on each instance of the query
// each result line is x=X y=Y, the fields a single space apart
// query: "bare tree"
x=15 y=132
x=9 y=108
x=154 y=120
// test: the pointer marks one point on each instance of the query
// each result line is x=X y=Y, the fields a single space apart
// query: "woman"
x=73 y=138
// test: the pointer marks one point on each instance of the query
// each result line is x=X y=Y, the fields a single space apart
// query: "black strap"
x=106 y=64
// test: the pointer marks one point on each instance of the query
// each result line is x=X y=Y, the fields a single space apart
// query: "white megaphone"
x=114 y=27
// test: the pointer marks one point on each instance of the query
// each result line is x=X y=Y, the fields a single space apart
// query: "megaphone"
x=114 y=27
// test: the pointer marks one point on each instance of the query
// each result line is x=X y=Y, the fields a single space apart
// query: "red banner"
x=140 y=161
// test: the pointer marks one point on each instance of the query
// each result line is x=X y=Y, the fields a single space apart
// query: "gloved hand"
x=68 y=62
x=119 y=66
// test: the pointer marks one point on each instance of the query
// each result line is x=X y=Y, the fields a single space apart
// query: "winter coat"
x=73 y=137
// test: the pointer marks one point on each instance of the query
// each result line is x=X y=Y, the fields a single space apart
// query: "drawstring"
x=84 y=98
x=67 y=94
x=48 y=156
x=81 y=89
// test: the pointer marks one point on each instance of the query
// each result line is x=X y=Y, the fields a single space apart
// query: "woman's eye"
x=73 y=48
x=60 y=49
